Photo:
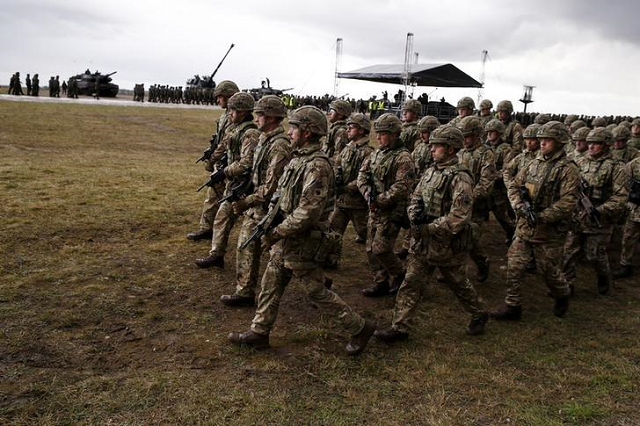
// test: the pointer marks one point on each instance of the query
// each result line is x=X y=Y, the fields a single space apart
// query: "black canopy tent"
x=435 y=75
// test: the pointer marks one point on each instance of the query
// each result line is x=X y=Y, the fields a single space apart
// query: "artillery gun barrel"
x=223 y=58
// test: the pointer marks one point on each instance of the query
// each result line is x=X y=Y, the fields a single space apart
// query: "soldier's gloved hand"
x=269 y=239
x=240 y=206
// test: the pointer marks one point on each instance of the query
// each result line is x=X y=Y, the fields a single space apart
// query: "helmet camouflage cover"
x=270 y=106
x=621 y=133
x=470 y=125
x=388 y=123
x=600 y=135
x=531 y=132
x=412 y=105
x=599 y=122
x=505 y=106
x=241 y=101
x=635 y=122
x=577 y=124
x=486 y=104
x=570 y=119
x=311 y=119
x=466 y=102
x=554 y=130
x=542 y=119
x=494 y=125
x=360 y=120
x=447 y=135
x=581 y=134
x=341 y=107
x=225 y=88
x=428 y=124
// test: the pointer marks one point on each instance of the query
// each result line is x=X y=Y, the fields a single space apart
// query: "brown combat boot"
x=251 y=339
x=200 y=234
x=561 y=306
x=397 y=282
x=507 y=313
x=209 y=261
x=358 y=342
x=235 y=300
x=391 y=335
x=476 y=325
x=377 y=290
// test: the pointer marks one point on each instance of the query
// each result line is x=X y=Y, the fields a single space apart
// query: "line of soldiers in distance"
x=69 y=89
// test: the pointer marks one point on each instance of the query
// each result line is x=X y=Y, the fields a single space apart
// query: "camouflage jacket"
x=222 y=125
x=634 y=142
x=576 y=156
x=350 y=160
x=552 y=184
x=480 y=160
x=422 y=156
x=519 y=162
x=336 y=138
x=444 y=199
x=633 y=172
x=625 y=154
x=271 y=155
x=393 y=172
x=607 y=188
x=240 y=143
x=513 y=136
x=410 y=135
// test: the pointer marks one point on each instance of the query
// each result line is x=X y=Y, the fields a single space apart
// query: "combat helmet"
x=505 y=106
x=470 y=125
x=577 y=124
x=388 y=123
x=466 y=102
x=554 y=130
x=270 y=106
x=635 y=122
x=581 y=134
x=428 y=124
x=486 y=104
x=494 y=125
x=542 y=119
x=225 y=88
x=601 y=135
x=341 y=107
x=413 y=105
x=531 y=132
x=621 y=133
x=570 y=119
x=241 y=101
x=599 y=122
x=447 y=135
x=311 y=119
x=626 y=124
x=360 y=120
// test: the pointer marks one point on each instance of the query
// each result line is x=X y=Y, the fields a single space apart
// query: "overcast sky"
x=582 y=56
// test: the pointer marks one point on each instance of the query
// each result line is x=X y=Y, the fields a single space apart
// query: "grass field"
x=105 y=319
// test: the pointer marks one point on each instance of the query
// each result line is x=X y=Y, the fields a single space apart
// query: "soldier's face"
x=221 y=101
x=439 y=152
x=408 y=116
x=493 y=136
x=263 y=122
x=385 y=139
x=485 y=111
x=581 y=146
x=596 y=149
x=425 y=136
x=464 y=112
x=354 y=132
x=236 y=116
x=635 y=130
x=333 y=116
x=548 y=146
x=531 y=144
x=503 y=115
x=620 y=144
x=470 y=141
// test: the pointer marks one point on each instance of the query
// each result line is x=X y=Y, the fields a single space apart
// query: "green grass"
x=105 y=319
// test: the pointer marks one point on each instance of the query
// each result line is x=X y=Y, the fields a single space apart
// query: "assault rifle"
x=206 y=155
x=239 y=190
x=371 y=195
x=272 y=219
x=217 y=176
x=529 y=212
x=339 y=181
x=584 y=203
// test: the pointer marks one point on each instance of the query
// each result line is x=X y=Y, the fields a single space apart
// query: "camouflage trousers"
x=594 y=249
x=247 y=260
x=341 y=217
x=222 y=226
x=630 y=238
x=477 y=253
x=502 y=211
x=274 y=280
x=415 y=284
x=548 y=257
x=210 y=207
x=381 y=238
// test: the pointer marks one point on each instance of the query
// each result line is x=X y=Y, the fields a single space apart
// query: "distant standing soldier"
x=64 y=88
x=307 y=191
x=549 y=186
x=440 y=214
x=240 y=144
x=35 y=85
x=631 y=233
x=465 y=108
x=223 y=91
x=96 y=88
x=385 y=180
x=621 y=150
x=513 y=130
x=52 y=87
x=17 y=85
x=350 y=204
x=27 y=82
x=634 y=142
x=499 y=201
x=605 y=183
x=271 y=155
x=57 y=86
x=480 y=160
x=411 y=112
x=336 y=138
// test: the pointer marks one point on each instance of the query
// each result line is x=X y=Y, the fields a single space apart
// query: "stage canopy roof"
x=435 y=75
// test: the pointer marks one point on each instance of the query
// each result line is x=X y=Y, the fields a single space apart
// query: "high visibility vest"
x=381 y=105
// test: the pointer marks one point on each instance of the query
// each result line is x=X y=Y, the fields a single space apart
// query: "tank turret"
x=87 y=84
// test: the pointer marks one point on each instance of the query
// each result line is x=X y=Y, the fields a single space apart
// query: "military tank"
x=87 y=84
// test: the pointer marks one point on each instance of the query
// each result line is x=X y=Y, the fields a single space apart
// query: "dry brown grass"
x=105 y=319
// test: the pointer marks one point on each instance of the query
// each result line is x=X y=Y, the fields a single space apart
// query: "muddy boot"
x=561 y=306
x=235 y=300
x=358 y=342
x=604 y=282
x=360 y=240
x=623 y=271
x=201 y=234
x=507 y=313
x=483 y=271
x=476 y=325
x=403 y=253
x=251 y=339
x=209 y=261
x=378 y=290
x=391 y=335
x=397 y=282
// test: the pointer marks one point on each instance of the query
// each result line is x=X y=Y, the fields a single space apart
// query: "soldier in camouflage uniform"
x=350 y=204
x=480 y=160
x=634 y=142
x=411 y=112
x=605 y=183
x=542 y=119
x=240 y=142
x=484 y=114
x=440 y=214
x=499 y=202
x=385 y=180
x=551 y=182
x=599 y=122
x=307 y=198
x=631 y=233
x=271 y=155
x=336 y=139
x=570 y=119
x=513 y=130
x=621 y=150
x=579 y=138
x=223 y=92
x=464 y=108
x=520 y=161
x=421 y=152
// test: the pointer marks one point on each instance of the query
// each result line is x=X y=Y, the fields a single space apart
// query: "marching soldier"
x=336 y=139
x=421 y=152
x=520 y=161
x=306 y=199
x=240 y=142
x=271 y=155
x=513 y=130
x=634 y=142
x=385 y=180
x=411 y=111
x=631 y=232
x=621 y=150
x=465 y=108
x=503 y=154
x=579 y=138
x=440 y=216
x=544 y=196
x=27 y=83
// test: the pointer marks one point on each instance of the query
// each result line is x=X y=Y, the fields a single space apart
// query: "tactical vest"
x=349 y=161
x=335 y=127
x=436 y=189
x=543 y=181
x=525 y=158
x=235 y=143
x=473 y=161
x=259 y=165
x=422 y=157
x=507 y=136
x=500 y=154
x=382 y=163
x=599 y=177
